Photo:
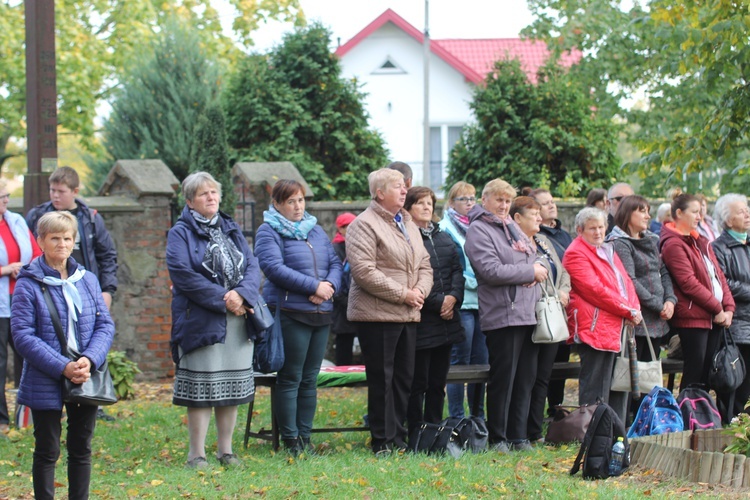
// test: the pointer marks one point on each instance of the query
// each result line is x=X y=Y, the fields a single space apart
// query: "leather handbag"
x=268 y=356
x=262 y=318
x=98 y=390
x=552 y=323
x=647 y=373
x=569 y=424
x=728 y=367
x=435 y=439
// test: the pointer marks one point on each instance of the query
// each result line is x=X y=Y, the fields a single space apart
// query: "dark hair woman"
x=303 y=272
x=704 y=300
x=215 y=282
x=597 y=197
x=506 y=265
x=440 y=327
x=89 y=330
x=527 y=213
x=391 y=277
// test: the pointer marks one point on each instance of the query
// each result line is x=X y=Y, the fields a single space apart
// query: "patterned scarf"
x=516 y=238
x=460 y=222
x=288 y=229
x=222 y=256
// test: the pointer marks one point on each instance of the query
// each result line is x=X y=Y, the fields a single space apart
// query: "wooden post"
x=704 y=472
x=727 y=469
x=41 y=99
x=717 y=464
x=739 y=471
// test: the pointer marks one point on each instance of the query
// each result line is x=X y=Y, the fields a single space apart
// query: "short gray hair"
x=379 y=179
x=615 y=187
x=589 y=213
x=721 y=208
x=195 y=181
x=57 y=222
x=662 y=212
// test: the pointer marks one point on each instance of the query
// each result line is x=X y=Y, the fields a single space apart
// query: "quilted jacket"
x=734 y=260
x=696 y=303
x=35 y=337
x=597 y=310
x=199 y=313
x=385 y=266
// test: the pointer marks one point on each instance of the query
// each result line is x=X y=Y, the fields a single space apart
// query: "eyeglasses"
x=616 y=198
x=5 y=196
x=465 y=199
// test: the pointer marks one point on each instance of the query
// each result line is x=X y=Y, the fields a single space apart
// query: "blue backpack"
x=658 y=414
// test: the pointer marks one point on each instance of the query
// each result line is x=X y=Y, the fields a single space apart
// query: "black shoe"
x=100 y=415
x=306 y=446
x=293 y=446
x=400 y=446
x=382 y=450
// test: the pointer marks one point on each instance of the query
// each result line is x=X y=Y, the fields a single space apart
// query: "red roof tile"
x=472 y=58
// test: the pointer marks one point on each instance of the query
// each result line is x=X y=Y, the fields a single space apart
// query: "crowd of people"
x=420 y=294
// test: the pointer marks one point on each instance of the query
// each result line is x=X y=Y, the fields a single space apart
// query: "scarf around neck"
x=460 y=222
x=222 y=256
x=516 y=238
x=288 y=229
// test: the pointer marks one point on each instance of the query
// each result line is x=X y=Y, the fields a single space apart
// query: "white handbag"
x=649 y=372
x=551 y=320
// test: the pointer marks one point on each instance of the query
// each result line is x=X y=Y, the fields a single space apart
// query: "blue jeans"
x=297 y=381
x=473 y=350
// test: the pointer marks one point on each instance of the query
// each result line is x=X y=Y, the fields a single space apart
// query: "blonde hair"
x=458 y=189
x=57 y=222
x=379 y=179
x=498 y=187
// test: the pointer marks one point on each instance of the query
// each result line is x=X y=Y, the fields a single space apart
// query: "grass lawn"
x=142 y=455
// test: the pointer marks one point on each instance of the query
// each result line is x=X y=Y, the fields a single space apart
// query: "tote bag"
x=649 y=372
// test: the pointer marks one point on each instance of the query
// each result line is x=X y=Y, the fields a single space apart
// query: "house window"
x=442 y=140
x=389 y=67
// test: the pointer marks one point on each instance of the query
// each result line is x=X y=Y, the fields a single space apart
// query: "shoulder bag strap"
x=648 y=341
x=55 y=317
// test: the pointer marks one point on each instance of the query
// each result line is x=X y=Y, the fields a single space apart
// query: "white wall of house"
x=395 y=96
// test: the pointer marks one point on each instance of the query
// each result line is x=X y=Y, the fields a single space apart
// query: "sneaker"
x=197 y=463
x=229 y=459
x=524 y=445
x=100 y=415
x=500 y=447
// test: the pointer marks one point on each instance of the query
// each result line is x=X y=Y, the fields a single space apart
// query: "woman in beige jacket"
x=391 y=276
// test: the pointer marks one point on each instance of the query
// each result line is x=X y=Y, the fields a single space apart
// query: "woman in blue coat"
x=89 y=330
x=303 y=272
x=215 y=282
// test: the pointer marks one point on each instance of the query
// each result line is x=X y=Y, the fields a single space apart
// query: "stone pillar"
x=138 y=214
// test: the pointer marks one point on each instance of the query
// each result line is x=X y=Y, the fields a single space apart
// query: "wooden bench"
x=458 y=374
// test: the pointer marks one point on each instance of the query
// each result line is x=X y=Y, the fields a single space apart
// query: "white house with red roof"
x=386 y=58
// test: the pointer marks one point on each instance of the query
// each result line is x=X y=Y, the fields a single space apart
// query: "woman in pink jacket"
x=602 y=300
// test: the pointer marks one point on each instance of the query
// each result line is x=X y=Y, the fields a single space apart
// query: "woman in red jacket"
x=602 y=300
x=704 y=301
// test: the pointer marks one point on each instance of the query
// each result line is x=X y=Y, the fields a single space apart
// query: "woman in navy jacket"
x=89 y=330
x=303 y=272
x=215 y=282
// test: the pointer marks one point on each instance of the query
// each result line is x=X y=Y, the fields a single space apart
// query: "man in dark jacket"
x=551 y=226
x=614 y=196
x=94 y=248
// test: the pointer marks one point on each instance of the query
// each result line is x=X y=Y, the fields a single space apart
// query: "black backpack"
x=698 y=409
x=596 y=449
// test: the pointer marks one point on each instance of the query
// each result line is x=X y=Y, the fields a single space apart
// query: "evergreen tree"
x=154 y=115
x=210 y=153
x=293 y=105
x=541 y=135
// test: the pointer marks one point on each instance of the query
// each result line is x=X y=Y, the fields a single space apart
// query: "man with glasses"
x=614 y=196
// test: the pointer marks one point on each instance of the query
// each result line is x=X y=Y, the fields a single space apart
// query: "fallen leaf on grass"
x=647 y=493
x=156 y=482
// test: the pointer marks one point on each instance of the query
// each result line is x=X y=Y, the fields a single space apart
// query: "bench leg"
x=476 y=404
x=274 y=423
x=670 y=382
x=249 y=421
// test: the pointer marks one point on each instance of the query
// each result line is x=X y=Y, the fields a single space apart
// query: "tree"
x=541 y=135
x=154 y=114
x=97 y=40
x=293 y=105
x=689 y=60
x=211 y=154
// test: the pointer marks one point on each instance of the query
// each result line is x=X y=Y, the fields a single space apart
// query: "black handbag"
x=728 y=368
x=98 y=390
x=262 y=318
x=435 y=439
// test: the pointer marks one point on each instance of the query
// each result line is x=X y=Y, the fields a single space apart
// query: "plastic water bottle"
x=618 y=453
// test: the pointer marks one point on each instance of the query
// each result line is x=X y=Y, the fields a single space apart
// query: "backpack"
x=596 y=449
x=658 y=414
x=698 y=409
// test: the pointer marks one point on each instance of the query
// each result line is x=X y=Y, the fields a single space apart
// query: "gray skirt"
x=219 y=374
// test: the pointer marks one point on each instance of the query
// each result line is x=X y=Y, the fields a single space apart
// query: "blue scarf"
x=288 y=229
x=72 y=300
x=741 y=237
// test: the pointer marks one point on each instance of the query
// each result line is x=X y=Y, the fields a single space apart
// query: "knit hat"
x=345 y=219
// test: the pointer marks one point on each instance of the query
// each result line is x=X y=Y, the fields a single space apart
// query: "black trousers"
x=698 y=348
x=545 y=360
x=47 y=429
x=428 y=387
x=344 y=347
x=513 y=365
x=388 y=350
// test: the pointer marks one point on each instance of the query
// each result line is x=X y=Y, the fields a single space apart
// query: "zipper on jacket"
x=690 y=305
x=575 y=322
x=596 y=318
x=315 y=266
